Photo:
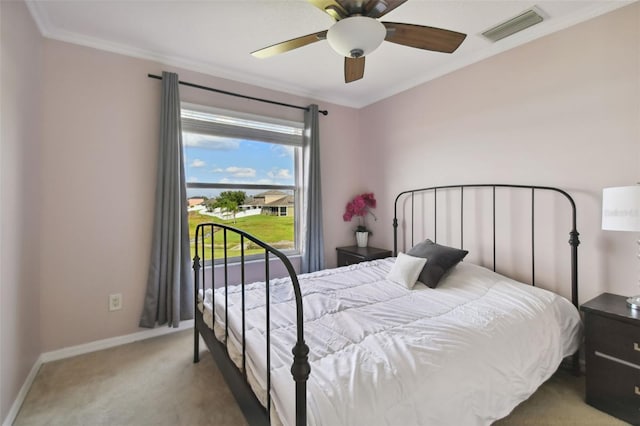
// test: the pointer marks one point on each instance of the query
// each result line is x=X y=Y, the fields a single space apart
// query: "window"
x=242 y=170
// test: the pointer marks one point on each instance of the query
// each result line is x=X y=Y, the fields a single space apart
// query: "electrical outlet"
x=115 y=302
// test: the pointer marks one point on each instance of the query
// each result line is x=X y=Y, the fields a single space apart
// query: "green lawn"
x=275 y=230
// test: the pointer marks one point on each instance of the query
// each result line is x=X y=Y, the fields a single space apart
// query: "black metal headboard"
x=573 y=233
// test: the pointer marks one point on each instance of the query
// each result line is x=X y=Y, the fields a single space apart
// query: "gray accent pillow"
x=439 y=260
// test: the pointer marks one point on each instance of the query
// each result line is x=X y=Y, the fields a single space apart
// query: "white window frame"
x=258 y=128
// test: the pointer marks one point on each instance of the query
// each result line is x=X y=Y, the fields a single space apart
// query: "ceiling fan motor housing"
x=357 y=33
x=356 y=36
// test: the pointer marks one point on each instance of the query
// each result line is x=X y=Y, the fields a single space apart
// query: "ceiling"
x=215 y=37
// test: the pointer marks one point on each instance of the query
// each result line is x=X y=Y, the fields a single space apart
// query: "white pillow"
x=406 y=270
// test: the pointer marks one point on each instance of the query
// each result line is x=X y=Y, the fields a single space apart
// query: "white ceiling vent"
x=523 y=21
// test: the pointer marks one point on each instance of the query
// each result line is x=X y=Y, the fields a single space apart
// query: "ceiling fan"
x=357 y=32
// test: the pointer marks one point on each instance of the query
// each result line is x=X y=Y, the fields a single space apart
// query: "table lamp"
x=621 y=212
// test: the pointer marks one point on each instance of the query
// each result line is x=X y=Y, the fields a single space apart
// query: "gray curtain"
x=313 y=250
x=169 y=297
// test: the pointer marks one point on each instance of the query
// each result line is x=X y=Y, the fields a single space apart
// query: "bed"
x=367 y=350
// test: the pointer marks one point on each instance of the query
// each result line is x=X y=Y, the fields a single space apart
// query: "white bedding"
x=465 y=353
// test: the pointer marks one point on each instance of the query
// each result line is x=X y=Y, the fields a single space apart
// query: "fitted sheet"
x=466 y=352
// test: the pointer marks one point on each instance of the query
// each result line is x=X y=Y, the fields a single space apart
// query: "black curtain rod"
x=224 y=92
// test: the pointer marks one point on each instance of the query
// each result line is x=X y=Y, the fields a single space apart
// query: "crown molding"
x=508 y=43
x=48 y=30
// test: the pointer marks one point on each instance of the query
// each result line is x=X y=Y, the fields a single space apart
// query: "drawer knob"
x=636 y=346
x=637 y=390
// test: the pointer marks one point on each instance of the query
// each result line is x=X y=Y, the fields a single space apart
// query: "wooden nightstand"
x=612 y=344
x=353 y=254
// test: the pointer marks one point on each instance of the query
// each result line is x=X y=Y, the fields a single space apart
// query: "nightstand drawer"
x=346 y=259
x=614 y=388
x=613 y=338
x=352 y=254
x=612 y=361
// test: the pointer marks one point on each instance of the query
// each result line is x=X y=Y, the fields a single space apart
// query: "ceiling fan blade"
x=353 y=69
x=288 y=45
x=421 y=37
x=331 y=8
x=378 y=8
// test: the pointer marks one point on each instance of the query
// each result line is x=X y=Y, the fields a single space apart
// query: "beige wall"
x=562 y=111
x=101 y=125
x=20 y=193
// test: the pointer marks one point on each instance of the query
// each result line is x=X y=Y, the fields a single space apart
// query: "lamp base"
x=634 y=302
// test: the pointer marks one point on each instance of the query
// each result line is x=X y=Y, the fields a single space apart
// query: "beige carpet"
x=154 y=382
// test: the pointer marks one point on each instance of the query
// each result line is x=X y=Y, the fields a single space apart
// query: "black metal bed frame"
x=236 y=378
x=574 y=241
x=253 y=410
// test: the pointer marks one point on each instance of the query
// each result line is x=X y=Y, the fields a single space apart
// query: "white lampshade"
x=621 y=208
x=356 y=36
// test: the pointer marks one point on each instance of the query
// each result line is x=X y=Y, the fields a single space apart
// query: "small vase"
x=362 y=239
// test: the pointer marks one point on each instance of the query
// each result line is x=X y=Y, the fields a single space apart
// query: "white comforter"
x=465 y=353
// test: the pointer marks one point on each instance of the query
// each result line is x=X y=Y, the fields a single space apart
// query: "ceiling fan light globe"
x=356 y=33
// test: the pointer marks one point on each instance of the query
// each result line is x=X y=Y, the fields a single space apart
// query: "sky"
x=212 y=159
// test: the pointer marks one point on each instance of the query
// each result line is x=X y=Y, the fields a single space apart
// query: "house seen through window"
x=242 y=170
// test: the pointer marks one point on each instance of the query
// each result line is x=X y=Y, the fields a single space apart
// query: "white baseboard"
x=84 y=349
x=99 y=345
x=22 y=394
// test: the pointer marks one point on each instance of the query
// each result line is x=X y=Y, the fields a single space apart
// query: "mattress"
x=466 y=352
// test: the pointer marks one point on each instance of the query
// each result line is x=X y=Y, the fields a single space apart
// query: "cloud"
x=239 y=172
x=265 y=182
x=210 y=142
x=197 y=163
x=283 y=150
x=280 y=174
x=193 y=179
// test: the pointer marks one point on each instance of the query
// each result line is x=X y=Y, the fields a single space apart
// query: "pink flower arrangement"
x=360 y=206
